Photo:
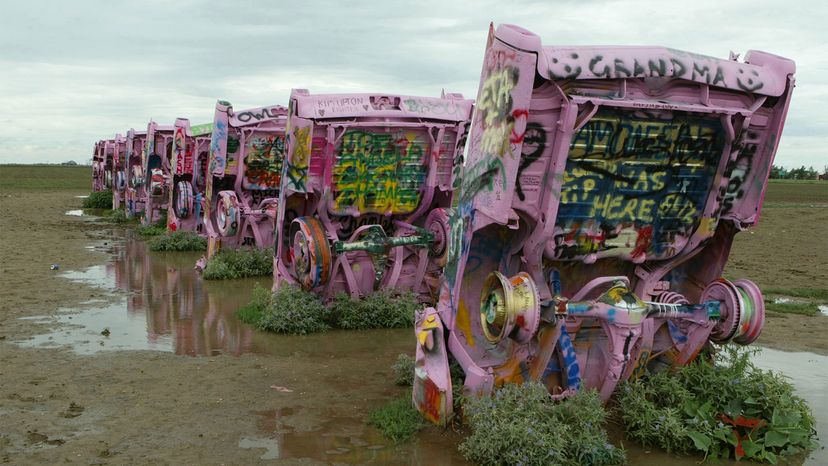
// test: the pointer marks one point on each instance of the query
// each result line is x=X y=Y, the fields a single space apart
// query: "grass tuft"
x=98 y=200
x=810 y=293
x=521 y=424
x=178 y=241
x=155 y=229
x=693 y=409
x=119 y=216
x=274 y=312
x=382 y=309
x=398 y=420
x=403 y=370
x=806 y=309
x=290 y=310
x=229 y=264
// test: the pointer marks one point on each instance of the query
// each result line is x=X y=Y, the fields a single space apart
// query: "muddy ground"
x=301 y=400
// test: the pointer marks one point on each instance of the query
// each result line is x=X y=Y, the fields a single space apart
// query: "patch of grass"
x=178 y=241
x=382 y=309
x=722 y=407
x=243 y=263
x=521 y=424
x=155 y=229
x=398 y=420
x=290 y=310
x=807 y=309
x=293 y=310
x=98 y=200
x=118 y=216
x=403 y=370
x=810 y=293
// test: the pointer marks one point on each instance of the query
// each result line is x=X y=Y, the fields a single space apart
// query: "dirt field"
x=116 y=407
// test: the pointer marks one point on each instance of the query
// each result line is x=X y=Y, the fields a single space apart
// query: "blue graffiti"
x=675 y=333
x=573 y=370
x=553 y=366
x=219 y=134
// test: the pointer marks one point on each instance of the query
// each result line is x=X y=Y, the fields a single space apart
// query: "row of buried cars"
x=569 y=227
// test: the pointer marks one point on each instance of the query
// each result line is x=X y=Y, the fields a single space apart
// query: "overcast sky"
x=73 y=72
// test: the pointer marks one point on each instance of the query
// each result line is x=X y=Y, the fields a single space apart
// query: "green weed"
x=382 y=309
x=98 y=200
x=229 y=264
x=290 y=310
x=810 y=293
x=154 y=229
x=119 y=216
x=404 y=370
x=806 y=309
x=521 y=424
x=178 y=241
x=697 y=407
x=398 y=420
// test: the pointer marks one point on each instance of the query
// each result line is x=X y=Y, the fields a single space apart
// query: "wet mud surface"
x=126 y=356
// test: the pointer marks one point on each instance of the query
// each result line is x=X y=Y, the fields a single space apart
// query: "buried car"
x=157 y=170
x=364 y=192
x=190 y=153
x=242 y=184
x=135 y=192
x=602 y=192
x=99 y=172
x=117 y=172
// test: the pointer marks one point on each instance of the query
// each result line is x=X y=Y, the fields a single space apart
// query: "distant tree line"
x=801 y=173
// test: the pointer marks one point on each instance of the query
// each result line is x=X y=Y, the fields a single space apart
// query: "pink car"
x=135 y=192
x=155 y=160
x=597 y=208
x=190 y=155
x=365 y=188
x=117 y=171
x=242 y=184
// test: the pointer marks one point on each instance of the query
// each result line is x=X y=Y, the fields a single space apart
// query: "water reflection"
x=166 y=307
x=339 y=438
x=160 y=303
x=808 y=373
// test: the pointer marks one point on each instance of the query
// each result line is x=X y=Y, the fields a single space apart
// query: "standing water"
x=158 y=302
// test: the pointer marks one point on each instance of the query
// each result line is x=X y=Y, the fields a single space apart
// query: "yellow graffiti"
x=379 y=172
x=495 y=106
x=707 y=226
x=495 y=95
x=463 y=323
x=301 y=153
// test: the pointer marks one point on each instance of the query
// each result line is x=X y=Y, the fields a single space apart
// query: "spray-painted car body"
x=117 y=171
x=242 y=187
x=98 y=164
x=364 y=191
x=190 y=154
x=135 y=193
x=155 y=160
x=602 y=191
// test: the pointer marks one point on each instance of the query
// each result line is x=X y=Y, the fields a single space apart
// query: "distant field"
x=796 y=192
x=45 y=177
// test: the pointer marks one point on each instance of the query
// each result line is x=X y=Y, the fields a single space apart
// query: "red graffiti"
x=517 y=114
x=433 y=400
x=642 y=243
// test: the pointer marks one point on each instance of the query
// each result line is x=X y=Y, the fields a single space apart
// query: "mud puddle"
x=808 y=372
x=160 y=303
x=336 y=437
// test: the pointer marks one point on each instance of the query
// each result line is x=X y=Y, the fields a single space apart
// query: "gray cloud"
x=75 y=72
